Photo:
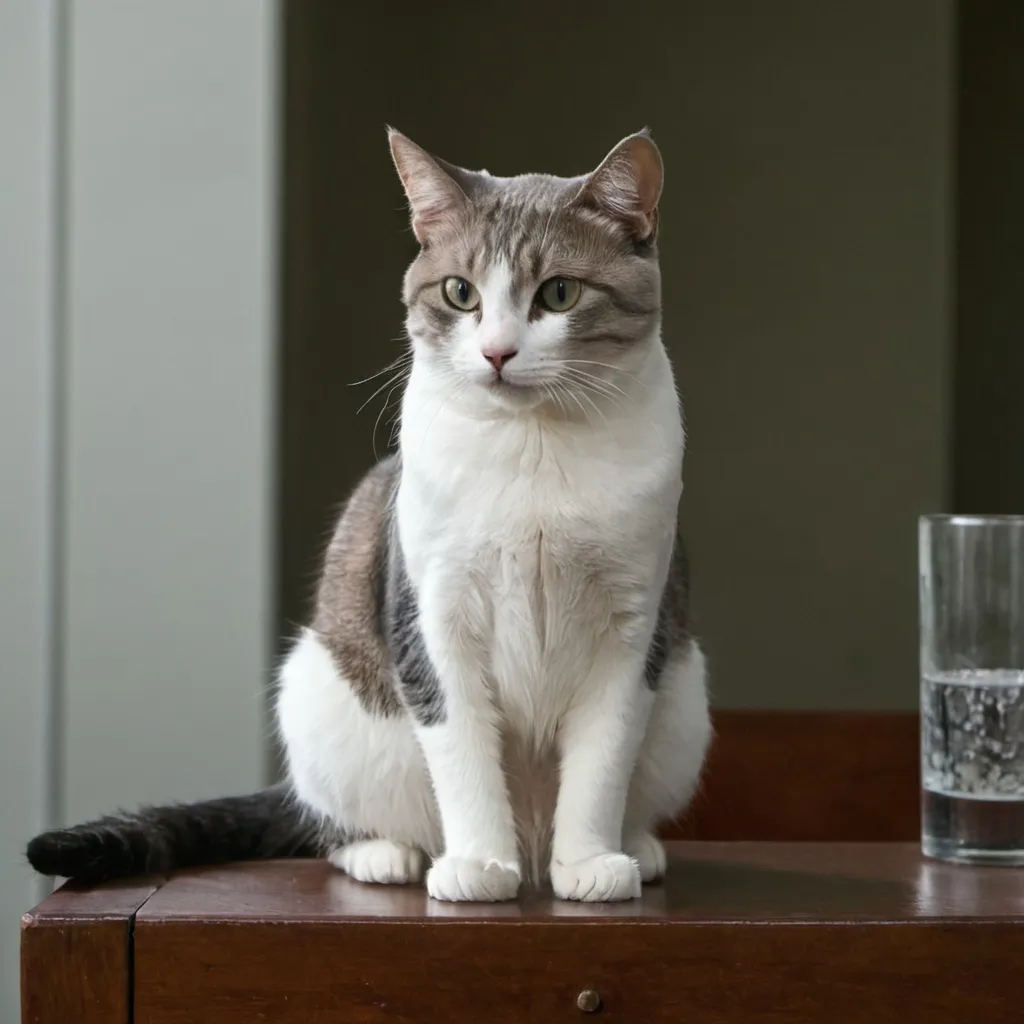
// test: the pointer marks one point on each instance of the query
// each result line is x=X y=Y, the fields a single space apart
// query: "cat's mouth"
x=513 y=393
x=498 y=383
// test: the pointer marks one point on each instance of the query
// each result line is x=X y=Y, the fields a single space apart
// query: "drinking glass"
x=972 y=688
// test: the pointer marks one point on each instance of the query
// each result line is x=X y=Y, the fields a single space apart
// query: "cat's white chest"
x=544 y=613
x=518 y=542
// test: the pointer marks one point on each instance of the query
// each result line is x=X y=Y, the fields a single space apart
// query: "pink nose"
x=498 y=357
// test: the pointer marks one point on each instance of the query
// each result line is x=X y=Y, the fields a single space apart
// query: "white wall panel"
x=169 y=424
x=29 y=371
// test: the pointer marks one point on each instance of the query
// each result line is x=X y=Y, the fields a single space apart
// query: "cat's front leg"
x=600 y=738
x=462 y=745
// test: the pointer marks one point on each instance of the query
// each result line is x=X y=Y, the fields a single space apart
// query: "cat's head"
x=534 y=289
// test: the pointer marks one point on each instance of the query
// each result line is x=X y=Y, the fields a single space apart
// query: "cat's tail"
x=155 y=840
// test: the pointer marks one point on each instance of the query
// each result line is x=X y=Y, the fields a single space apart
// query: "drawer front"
x=511 y=972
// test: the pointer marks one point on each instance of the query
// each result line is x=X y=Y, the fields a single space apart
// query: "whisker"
x=401 y=375
x=396 y=425
x=589 y=385
x=600 y=387
x=383 y=409
x=460 y=387
x=604 y=385
x=588 y=389
x=552 y=390
x=607 y=366
x=405 y=357
x=569 y=393
x=594 y=406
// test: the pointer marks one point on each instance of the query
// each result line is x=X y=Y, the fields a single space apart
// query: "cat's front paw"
x=465 y=880
x=649 y=854
x=605 y=878
x=380 y=861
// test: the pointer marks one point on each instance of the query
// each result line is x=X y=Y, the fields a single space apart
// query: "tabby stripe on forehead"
x=494 y=212
x=536 y=263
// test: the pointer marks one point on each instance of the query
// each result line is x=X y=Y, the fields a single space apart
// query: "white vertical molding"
x=170 y=417
x=30 y=127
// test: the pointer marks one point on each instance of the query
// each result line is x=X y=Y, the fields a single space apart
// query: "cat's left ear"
x=438 y=192
x=627 y=185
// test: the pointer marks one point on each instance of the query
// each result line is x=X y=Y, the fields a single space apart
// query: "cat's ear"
x=437 y=191
x=627 y=185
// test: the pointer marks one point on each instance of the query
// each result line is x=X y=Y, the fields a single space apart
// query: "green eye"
x=458 y=292
x=559 y=294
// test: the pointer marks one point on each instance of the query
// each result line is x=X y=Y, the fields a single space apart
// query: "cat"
x=499 y=687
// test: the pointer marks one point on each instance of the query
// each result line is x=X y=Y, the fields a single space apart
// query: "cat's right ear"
x=627 y=185
x=437 y=196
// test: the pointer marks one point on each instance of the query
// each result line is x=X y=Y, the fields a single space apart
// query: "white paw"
x=606 y=878
x=649 y=854
x=461 y=879
x=379 y=860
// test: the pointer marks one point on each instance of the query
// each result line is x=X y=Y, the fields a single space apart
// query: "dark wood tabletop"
x=707 y=883
x=800 y=932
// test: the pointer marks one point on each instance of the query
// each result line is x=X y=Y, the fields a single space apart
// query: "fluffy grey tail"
x=155 y=840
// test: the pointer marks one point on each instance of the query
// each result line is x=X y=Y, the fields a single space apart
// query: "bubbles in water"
x=972 y=722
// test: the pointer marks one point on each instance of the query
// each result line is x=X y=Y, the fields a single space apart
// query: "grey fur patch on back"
x=350 y=600
x=672 y=629
x=366 y=612
x=420 y=686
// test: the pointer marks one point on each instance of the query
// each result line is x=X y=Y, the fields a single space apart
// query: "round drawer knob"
x=588 y=1001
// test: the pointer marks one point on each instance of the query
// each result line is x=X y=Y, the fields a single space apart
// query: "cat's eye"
x=458 y=292
x=559 y=294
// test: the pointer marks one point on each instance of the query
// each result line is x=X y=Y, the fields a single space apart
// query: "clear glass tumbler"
x=972 y=688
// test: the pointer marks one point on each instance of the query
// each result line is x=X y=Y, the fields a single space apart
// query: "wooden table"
x=758 y=932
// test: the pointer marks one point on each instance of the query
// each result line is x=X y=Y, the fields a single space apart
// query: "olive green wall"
x=989 y=364
x=806 y=227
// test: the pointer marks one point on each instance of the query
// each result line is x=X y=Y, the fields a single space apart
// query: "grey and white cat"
x=499 y=685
